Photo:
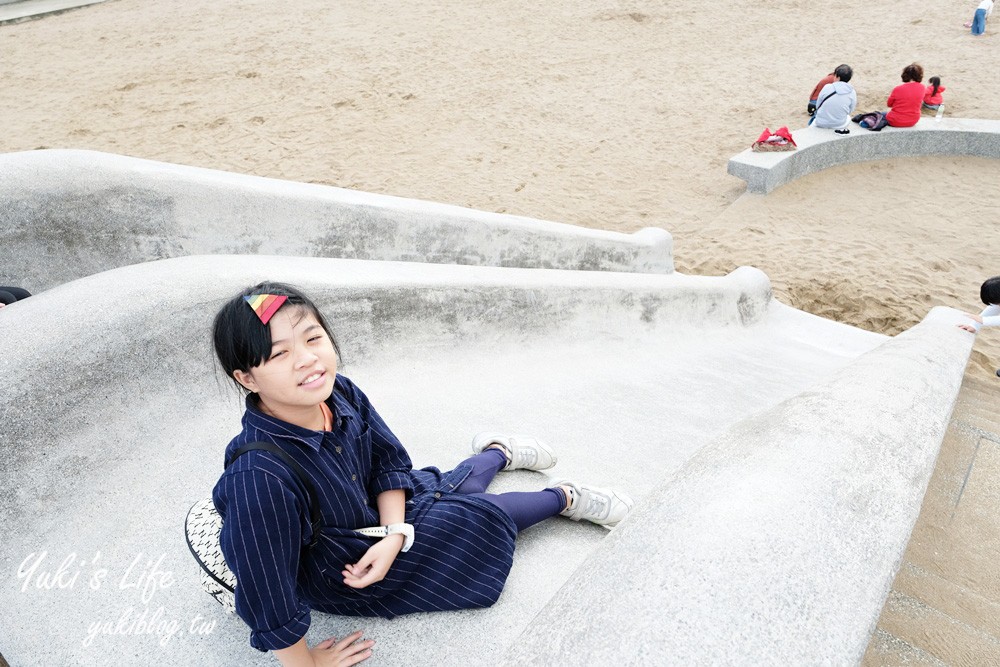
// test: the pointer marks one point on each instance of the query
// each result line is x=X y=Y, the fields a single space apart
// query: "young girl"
x=447 y=545
x=933 y=97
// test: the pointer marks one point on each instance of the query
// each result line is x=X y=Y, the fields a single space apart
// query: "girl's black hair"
x=936 y=82
x=242 y=341
x=990 y=291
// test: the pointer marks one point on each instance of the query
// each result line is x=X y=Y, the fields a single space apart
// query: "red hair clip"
x=265 y=305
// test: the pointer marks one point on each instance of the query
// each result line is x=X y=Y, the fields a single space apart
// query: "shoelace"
x=525 y=456
x=597 y=505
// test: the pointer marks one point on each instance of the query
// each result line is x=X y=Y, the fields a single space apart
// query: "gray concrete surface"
x=65 y=214
x=779 y=457
x=771 y=545
x=14 y=11
x=820 y=148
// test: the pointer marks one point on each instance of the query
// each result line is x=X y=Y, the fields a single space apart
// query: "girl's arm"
x=375 y=564
x=328 y=653
x=990 y=317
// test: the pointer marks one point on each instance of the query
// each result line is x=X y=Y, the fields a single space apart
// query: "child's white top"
x=990 y=315
x=987 y=5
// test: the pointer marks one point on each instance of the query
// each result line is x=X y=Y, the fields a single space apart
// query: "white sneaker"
x=605 y=507
x=522 y=452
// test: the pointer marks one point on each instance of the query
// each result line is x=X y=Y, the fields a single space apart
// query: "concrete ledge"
x=820 y=148
x=114 y=421
x=65 y=214
x=15 y=11
x=778 y=543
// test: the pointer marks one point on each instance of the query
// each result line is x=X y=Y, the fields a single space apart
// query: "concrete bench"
x=819 y=148
x=65 y=214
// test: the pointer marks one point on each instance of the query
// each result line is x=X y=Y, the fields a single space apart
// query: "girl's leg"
x=485 y=467
x=528 y=508
x=18 y=292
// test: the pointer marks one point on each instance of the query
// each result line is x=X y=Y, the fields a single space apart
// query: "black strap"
x=314 y=513
x=823 y=100
x=197 y=557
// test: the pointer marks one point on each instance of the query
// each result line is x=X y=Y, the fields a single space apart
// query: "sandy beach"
x=616 y=115
x=609 y=114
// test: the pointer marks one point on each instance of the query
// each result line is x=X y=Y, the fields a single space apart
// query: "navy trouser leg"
x=15 y=292
x=485 y=467
x=527 y=508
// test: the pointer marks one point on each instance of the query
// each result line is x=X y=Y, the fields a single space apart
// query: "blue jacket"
x=460 y=558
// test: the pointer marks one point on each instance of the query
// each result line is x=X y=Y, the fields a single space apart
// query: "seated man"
x=836 y=101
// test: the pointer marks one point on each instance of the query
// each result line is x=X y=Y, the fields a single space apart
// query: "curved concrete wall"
x=113 y=423
x=777 y=544
x=820 y=148
x=65 y=214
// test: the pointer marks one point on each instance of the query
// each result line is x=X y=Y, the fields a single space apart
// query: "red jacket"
x=904 y=103
x=819 y=86
x=933 y=99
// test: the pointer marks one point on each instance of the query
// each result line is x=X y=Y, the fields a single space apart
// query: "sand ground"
x=615 y=114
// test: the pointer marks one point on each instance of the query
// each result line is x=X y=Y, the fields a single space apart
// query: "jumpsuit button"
x=338 y=450
x=437 y=495
x=354 y=478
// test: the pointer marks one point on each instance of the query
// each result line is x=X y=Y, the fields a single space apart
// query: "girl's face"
x=300 y=372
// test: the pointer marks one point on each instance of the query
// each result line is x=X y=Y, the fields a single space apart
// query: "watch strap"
x=404 y=529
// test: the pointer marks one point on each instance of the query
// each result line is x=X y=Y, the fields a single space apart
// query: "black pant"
x=9 y=295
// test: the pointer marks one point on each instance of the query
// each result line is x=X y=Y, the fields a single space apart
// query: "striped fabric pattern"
x=460 y=559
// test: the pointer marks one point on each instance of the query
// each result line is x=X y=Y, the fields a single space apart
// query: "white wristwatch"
x=404 y=529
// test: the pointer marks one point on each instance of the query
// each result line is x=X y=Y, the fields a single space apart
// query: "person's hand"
x=967 y=327
x=348 y=651
x=374 y=565
x=974 y=316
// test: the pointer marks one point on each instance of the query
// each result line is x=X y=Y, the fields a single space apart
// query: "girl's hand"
x=348 y=651
x=977 y=318
x=374 y=565
x=967 y=327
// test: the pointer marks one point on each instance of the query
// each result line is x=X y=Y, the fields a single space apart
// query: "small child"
x=933 y=97
x=983 y=12
x=989 y=294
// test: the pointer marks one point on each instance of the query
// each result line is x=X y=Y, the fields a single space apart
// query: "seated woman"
x=837 y=101
x=906 y=98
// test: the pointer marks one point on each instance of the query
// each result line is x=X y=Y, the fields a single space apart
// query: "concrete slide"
x=779 y=459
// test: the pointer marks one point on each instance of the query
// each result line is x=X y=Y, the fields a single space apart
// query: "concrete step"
x=887 y=650
x=937 y=634
x=945 y=601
